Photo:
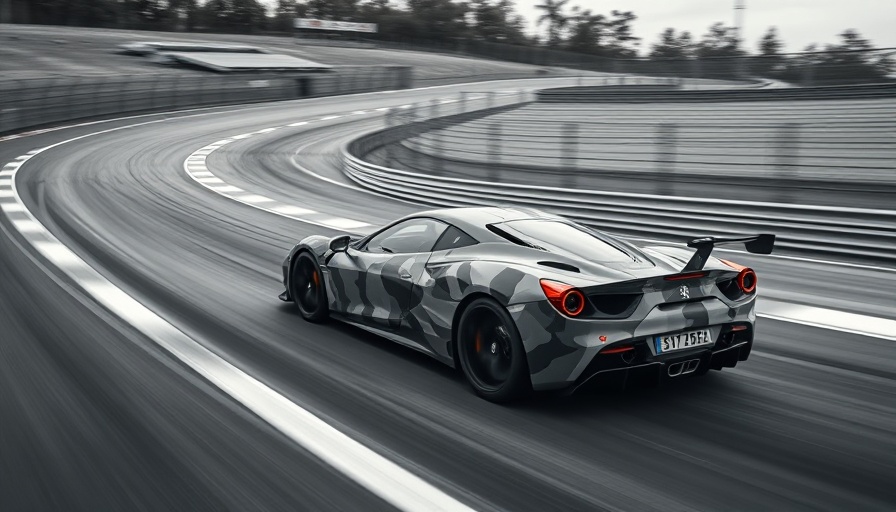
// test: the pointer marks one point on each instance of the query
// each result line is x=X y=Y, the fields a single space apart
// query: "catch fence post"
x=666 y=149
x=390 y=123
x=494 y=150
x=787 y=158
x=808 y=74
x=435 y=136
x=569 y=157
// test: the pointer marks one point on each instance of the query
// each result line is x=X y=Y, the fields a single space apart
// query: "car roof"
x=473 y=219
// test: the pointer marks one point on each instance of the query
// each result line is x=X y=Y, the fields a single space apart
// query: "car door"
x=373 y=283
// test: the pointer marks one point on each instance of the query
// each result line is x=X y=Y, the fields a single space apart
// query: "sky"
x=799 y=22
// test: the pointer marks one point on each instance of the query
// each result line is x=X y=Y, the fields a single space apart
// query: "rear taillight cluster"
x=566 y=298
x=743 y=284
x=746 y=280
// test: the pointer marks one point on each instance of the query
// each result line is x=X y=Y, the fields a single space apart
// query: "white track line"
x=864 y=325
x=376 y=473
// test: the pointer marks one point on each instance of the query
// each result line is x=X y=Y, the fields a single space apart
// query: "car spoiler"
x=756 y=244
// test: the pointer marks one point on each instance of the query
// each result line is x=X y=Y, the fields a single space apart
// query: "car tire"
x=491 y=352
x=307 y=288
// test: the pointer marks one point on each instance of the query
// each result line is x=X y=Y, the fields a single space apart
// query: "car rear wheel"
x=308 y=289
x=491 y=352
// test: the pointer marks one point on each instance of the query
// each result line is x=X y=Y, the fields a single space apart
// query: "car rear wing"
x=756 y=244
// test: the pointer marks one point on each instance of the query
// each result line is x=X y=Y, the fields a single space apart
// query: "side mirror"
x=340 y=243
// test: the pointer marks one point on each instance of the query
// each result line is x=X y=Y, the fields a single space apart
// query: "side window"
x=410 y=236
x=453 y=238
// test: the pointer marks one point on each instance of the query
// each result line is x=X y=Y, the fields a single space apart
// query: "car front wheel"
x=308 y=289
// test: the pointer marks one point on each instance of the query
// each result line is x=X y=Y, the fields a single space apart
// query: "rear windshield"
x=556 y=236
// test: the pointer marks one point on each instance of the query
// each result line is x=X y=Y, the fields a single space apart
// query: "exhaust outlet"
x=675 y=369
x=683 y=368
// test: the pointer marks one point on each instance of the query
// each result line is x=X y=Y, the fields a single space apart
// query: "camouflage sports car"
x=523 y=300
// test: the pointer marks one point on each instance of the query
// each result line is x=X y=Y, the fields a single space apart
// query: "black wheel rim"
x=307 y=286
x=486 y=348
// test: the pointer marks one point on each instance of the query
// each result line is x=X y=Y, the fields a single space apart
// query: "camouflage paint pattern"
x=421 y=309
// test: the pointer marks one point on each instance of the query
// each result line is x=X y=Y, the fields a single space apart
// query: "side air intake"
x=561 y=266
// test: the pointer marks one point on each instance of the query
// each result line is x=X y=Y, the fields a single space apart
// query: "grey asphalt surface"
x=94 y=417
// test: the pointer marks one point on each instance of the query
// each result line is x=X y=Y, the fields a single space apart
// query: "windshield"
x=557 y=236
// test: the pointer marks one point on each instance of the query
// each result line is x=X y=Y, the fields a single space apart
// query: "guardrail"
x=43 y=102
x=792 y=150
x=851 y=233
x=657 y=94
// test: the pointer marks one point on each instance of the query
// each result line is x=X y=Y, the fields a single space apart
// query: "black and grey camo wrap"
x=422 y=311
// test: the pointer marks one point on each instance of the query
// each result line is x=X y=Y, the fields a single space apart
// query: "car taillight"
x=746 y=280
x=566 y=298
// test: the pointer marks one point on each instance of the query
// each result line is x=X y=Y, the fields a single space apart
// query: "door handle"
x=404 y=274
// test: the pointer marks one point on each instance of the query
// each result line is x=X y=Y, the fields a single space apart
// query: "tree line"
x=447 y=22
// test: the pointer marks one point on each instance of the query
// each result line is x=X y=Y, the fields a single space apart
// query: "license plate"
x=681 y=341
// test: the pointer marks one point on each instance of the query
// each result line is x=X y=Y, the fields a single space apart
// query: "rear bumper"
x=567 y=353
x=612 y=372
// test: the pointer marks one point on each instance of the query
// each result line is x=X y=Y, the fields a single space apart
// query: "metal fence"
x=807 y=151
x=375 y=162
x=46 y=101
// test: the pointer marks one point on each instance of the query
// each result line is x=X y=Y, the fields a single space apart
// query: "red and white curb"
x=376 y=473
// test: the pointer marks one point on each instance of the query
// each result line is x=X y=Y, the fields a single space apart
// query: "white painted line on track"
x=289 y=210
x=300 y=123
x=377 y=474
x=864 y=325
x=328 y=118
x=27 y=226
x=227 y=189
x=340 y=223
x=254 y=198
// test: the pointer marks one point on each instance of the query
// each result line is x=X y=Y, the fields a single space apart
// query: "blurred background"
x=553 y=32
